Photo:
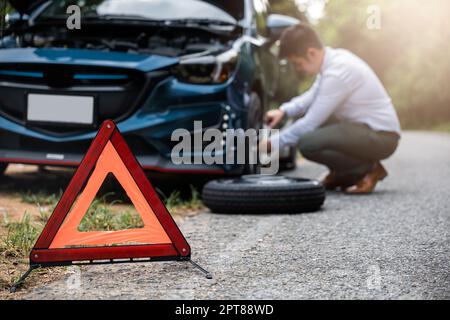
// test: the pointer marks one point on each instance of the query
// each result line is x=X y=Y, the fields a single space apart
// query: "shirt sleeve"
x=331 y=94
x=299 y=105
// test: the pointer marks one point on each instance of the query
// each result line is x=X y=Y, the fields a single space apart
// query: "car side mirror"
x=277 y=23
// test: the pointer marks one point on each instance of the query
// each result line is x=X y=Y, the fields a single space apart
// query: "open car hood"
x=234 y=7
x=25 y=6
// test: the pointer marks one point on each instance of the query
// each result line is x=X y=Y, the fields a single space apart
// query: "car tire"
x=257 y=194
x=290 y=162
x=254 y=121
x=3 y=167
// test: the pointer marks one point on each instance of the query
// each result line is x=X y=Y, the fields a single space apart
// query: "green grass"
x=41 y=198
x=175 y=203
x=17 y=240
x=20 y=237
x=102 y=215
x=45 y=202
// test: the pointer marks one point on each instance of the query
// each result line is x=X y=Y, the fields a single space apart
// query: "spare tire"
x=258 y=194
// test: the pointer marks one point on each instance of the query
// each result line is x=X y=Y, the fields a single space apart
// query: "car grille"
x=117 y=92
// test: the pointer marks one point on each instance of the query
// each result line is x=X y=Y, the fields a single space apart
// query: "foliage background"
x=410 y=53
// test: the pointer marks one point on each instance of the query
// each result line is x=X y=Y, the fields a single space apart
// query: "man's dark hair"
x=297 y=39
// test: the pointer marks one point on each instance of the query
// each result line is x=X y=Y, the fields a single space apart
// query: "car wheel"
x=3 y=167
x=254 y=121
x=290 y=161
x=257 y=194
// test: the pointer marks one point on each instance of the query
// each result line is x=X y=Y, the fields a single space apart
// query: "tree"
x=409 y=52
x=287 y=7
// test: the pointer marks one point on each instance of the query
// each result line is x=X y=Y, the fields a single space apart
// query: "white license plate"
x=60 y=109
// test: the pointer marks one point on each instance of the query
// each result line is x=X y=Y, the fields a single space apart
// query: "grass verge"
x=18 y=237
x=17 y=240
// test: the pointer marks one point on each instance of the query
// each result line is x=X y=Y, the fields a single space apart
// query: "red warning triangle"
x=62 y=243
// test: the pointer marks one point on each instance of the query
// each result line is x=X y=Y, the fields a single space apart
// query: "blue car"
x=152 y=66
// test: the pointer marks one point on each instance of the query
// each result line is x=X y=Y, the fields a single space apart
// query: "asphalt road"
x=393 y=244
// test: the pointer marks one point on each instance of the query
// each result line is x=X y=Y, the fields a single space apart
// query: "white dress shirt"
x=346 y=88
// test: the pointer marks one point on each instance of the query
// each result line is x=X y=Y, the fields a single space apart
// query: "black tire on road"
x=256 y=194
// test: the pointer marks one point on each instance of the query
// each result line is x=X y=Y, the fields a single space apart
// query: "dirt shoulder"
x=15 y=187
x=28 y=195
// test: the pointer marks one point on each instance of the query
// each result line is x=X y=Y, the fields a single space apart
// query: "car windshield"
x=160 y=10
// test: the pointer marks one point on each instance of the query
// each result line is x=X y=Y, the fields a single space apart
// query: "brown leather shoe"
x=367 y=184
x=332 y=181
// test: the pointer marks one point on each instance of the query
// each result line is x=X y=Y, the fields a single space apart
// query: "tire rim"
x=255 y=179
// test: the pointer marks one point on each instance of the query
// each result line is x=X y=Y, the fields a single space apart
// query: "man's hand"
x=274 y=117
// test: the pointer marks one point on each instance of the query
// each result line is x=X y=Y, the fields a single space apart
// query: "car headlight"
x=207 y=69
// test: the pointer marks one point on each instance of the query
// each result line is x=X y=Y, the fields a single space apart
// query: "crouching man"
x=347 y=120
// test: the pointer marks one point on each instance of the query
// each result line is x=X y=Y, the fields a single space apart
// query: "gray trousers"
x=349 y=149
